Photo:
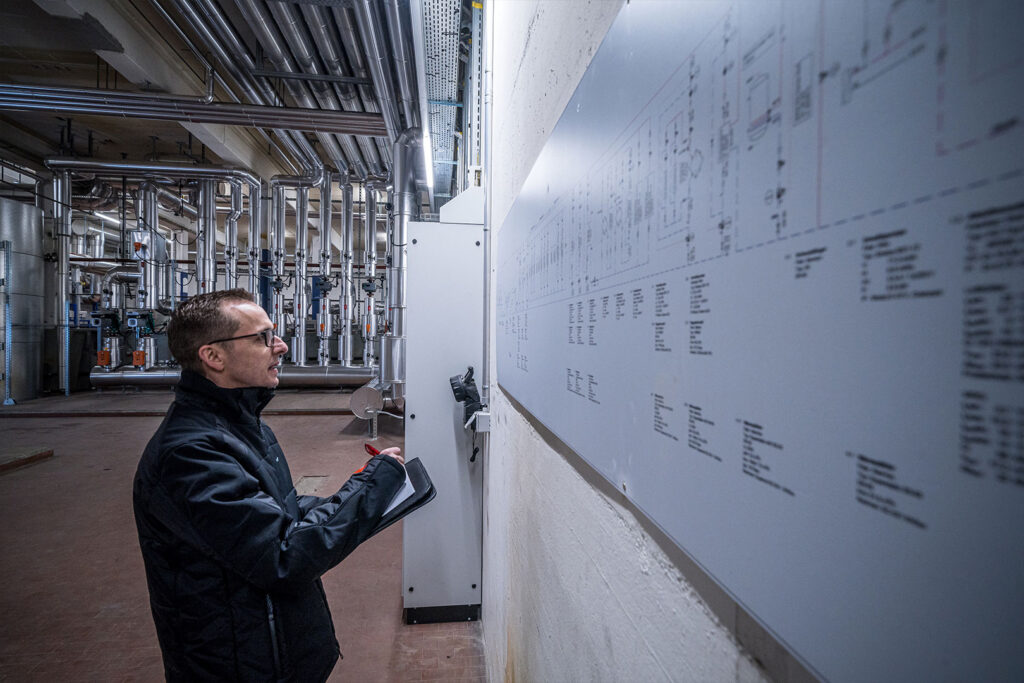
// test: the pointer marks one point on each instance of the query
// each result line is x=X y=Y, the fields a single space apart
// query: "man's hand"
x=396 y=453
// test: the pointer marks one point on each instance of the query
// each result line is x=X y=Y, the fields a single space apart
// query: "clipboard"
x=423 y=493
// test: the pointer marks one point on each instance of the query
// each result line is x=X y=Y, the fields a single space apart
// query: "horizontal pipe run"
x=139 y=105
x=289 y=376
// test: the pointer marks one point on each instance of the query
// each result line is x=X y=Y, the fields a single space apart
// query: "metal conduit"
x=345 y=300
x=206 y=237
x=277 y=258
x=349 y=35
x=231 y=236
x=403 y=62
x=369 y=274
x=288 y=376
x=379 y=64
x=404 y=183
x=324 y=327
x=131 y=105
x=300 y=299
x=291 y=26
x=270 y=39
x=330 y=51
x=225 y=43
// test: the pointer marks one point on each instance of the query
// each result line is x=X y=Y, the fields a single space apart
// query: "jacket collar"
x=247 y=402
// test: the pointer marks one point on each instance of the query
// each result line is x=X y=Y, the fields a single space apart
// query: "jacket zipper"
x=273 y=637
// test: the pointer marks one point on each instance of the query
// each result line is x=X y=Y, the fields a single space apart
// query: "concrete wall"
x=577 y=585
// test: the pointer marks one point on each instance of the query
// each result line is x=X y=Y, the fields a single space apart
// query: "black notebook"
x=422 y=492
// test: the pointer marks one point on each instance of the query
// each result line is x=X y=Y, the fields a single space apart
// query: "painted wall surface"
x=575 y=588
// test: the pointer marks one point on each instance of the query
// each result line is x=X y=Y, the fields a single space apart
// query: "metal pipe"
x=149 y=290
x=231 y=236
x=206 y=237
x=291 y=27
x=485 y=375
x=262 y=25
x=80 y=101
x=405 y=203
x=324 y=327
x=345 y=299
x=277 y=258
x=400 y=43
x=369 y=25
x=300 y=297
x=255 y=227
x=118 y=275
x=330 y=52
x=288 y=376
x=180 y=204
x=62 y=231
x=370 y=275
x=220 y=37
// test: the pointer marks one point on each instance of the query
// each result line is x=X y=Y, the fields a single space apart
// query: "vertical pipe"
x=370 y=274
x=345 y=300
x=404 y=201
x=324 y=327
x=488 y=44
x=149 y=292
x=277 y=256
x=62 y=231
x=231 y=236
x=255 y=226
x=206 y=237
x=300 y=299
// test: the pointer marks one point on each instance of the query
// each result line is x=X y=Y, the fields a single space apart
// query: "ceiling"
x=359 y=56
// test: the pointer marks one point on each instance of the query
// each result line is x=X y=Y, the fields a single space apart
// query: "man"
x=233 y=556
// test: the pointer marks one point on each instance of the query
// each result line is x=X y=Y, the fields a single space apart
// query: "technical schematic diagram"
x=765 y=277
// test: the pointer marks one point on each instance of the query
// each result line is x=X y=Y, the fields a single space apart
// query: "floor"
x=74 y=599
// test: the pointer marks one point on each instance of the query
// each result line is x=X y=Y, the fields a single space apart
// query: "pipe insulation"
x=370 y=275
x=301 y=296
x=324 y=327
x=345 y=304
x=323 y=122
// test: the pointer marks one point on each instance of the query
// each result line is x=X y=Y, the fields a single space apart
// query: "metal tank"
x=21 y=225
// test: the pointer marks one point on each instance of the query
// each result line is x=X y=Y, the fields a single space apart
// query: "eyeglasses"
x=267 y=336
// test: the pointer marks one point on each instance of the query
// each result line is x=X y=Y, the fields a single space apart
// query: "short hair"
x=199 y=321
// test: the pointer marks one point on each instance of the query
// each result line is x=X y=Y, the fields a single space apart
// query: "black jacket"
x=233 y=557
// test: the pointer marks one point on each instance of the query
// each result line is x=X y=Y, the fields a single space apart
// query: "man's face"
x=249 y=362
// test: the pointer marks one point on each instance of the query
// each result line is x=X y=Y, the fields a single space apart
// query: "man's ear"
x=212 y=358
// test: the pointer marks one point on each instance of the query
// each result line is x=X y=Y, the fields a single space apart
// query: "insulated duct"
x=231 y=236
x=139 y=105
x=301 y=296
x=206 y=237
x=324 y=327
x=370 y=275
x=407 y=146
x=345 y=304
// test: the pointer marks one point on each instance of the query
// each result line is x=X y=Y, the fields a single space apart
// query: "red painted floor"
x=74 y=604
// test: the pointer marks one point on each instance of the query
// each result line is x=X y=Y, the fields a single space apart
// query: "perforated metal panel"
x=442 y=20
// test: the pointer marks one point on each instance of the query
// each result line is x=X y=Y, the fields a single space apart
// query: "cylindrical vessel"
x=22 y=225
x=112 y=345
x=149 y=292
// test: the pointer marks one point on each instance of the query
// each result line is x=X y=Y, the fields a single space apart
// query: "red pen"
x=370 y=449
